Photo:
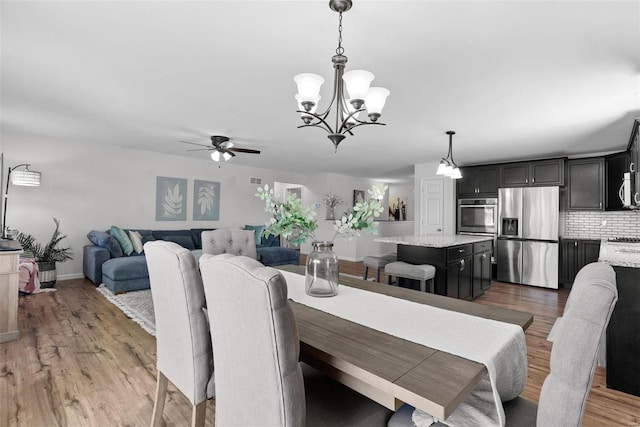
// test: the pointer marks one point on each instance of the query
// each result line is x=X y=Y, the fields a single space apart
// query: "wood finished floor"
x=80 y=362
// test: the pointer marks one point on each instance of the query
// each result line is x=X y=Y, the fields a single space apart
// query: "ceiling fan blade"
x=201 y=149
x=245 y=150
x=193 y=143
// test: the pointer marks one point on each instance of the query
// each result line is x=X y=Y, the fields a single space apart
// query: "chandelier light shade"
x=447 y=166
x=352 y=93
x=24 y=177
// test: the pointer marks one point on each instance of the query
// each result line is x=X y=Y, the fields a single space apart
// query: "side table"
x=10 y=251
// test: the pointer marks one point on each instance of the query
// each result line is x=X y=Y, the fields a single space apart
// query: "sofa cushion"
x=106 y=241
x=270 y=240
x=125 y=268
x=123 y=238
x=276 y=255
x=163 y=234
x=258 y=231
x=184 y=241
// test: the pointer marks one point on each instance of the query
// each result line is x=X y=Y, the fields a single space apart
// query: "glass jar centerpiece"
x=295 y=222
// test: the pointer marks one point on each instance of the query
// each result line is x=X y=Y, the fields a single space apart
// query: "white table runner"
x=500 y=346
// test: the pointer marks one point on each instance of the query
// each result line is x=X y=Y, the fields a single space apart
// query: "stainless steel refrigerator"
x=527 y=250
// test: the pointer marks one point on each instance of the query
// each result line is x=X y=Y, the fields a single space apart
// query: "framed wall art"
x=171 y=199
x=206 y=200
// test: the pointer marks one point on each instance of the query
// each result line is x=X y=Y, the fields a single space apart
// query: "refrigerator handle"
x=620 y=192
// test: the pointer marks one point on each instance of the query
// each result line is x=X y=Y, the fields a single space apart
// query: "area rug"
x=137 y=305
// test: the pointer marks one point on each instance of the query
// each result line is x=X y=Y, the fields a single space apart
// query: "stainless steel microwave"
x=478 y=215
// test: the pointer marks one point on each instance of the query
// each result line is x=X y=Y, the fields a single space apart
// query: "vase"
x=321 y=274
x=331 y=213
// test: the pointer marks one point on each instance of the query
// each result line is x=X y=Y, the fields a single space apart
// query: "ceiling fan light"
x=226 y=156
x=215 y=156
x=358 y=82
x=308 y=88
x=375 y=100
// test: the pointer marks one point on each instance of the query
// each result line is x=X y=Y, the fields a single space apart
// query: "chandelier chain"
x=340 y=49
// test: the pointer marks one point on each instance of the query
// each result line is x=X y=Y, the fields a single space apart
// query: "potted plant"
x=46 y=255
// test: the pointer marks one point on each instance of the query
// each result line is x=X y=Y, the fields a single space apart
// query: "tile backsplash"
x=600 y=225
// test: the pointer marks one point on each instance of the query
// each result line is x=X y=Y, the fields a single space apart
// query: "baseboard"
x=70 y=276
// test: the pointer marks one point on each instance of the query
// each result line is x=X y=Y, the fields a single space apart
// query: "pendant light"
x=447 y=166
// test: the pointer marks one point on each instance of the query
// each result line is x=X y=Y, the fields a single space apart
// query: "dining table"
x=384 y=367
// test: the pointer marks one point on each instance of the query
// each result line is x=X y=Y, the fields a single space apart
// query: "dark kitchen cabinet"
x=481 y=268
x=634 y=152
x=576 y=253
x=623 y=334
x=478 y=181
x=615 y=165
x=536 y=173
x=459 y=278
x=585 y=184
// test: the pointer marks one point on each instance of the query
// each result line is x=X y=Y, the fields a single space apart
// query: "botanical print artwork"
x=206 y=200
x=358 y=196
x=171 y=201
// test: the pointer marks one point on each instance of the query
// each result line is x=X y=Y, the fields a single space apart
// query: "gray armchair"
x=229 y=241
x=576 y=336
x=259 y=380
x=184 y=354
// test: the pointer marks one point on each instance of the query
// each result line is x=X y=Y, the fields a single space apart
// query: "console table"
x=10 y=251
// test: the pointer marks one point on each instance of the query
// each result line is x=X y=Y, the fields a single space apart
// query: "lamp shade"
x=26 y=178
x=442 y=167
x=455 y=173
x=215 y=156
x=358 y=82
x=376 y=99
x=308 y=87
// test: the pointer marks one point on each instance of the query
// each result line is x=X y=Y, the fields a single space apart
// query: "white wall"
x=91 y=187
x=428 y=170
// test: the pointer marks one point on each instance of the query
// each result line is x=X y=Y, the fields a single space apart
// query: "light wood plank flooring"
x=80 y=362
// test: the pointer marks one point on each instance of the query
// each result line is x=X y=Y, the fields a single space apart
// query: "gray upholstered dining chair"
x=229 y=241
x=183 y=341
x=259 y=379
x=576 y=336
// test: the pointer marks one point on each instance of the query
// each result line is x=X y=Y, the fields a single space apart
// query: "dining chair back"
x=184 y=354
x=576 y=337
x=229 y=241
x=258 y=377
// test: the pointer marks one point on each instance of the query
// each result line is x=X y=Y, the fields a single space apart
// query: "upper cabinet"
x=634 y=151
x=615 y=166
x=585 y=184
x=478 y=181
x=537 y=173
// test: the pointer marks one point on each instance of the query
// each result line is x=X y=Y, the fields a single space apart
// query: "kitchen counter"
x=434 y=241
x=620 y=254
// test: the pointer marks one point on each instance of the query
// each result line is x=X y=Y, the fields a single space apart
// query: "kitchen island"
x=623 y=335
x=463 y=263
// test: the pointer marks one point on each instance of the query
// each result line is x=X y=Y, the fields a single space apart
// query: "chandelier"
x=447 y=166
x=356 y=82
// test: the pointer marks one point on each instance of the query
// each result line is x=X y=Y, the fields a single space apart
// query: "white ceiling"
x=514 y=79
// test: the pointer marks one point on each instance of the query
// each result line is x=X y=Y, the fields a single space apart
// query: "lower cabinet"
x=459 y=278
x=576 y=253
x=462 y=271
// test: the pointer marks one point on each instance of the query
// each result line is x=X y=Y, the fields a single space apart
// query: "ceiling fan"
x=222 y=148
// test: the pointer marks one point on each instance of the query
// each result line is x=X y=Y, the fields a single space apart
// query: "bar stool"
x=421 y=272
x=377 y=262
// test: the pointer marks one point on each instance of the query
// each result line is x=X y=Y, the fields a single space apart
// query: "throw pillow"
x=258 y=230
x=106 y=241
x=136 y=240
x=122 y=238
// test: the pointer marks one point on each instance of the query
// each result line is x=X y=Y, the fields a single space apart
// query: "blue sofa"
x=120 y=273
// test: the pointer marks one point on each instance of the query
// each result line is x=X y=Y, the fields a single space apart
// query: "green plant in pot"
x=46 y=255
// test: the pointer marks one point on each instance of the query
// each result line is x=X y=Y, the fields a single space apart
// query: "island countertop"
x=434 y=240
x=620 y=254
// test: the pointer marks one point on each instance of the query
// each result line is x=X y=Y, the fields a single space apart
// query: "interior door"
x=432 y=212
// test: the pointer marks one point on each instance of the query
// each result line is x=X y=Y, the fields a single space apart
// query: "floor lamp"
x=24 y=177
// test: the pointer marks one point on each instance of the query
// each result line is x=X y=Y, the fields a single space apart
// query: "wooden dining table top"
x=389 y=369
